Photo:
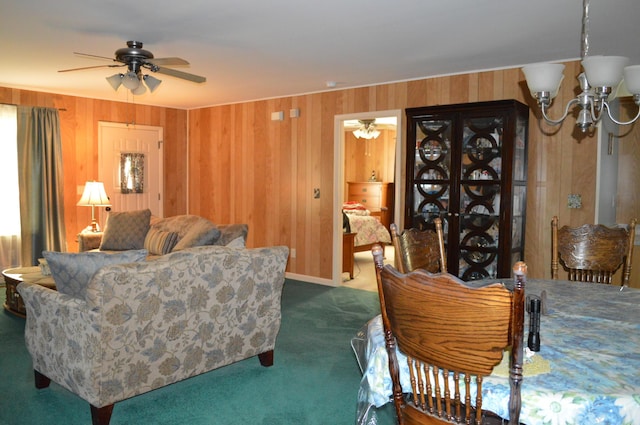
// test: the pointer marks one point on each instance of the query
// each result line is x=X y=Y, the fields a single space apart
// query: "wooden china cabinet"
x=467 y=164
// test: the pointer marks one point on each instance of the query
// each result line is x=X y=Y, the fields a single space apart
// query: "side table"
x=12 y=277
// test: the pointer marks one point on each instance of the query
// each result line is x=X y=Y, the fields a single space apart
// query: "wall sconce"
x=93 y=196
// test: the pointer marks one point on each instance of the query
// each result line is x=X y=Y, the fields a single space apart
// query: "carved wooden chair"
x=592 y=253
x=453 y=335
x=419 y=249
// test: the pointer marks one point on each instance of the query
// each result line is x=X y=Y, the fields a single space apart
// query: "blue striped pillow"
x=159 y=242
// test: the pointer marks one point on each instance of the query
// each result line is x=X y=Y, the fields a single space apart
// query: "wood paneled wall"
x=244 y=167
x=361 y=157
x=240 y=167
x=79 y=119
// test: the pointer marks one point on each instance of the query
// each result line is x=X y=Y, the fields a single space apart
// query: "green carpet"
x=314 y=379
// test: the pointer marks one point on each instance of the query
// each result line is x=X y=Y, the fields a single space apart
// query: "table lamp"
x=94 y=195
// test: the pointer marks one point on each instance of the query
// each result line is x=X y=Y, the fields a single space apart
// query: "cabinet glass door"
x=432 y=175
x=480 y=183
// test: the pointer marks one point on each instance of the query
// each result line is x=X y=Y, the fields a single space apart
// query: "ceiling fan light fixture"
x=152 y=82
x=115 y=81
x=130 y=80
x=367 y=130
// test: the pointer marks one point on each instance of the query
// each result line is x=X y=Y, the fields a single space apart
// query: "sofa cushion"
x=229 y=234
x=200 y=235
x=126 y=230
x=73 y=271
x=237 y=243
x=159 y=242
x=192 y=230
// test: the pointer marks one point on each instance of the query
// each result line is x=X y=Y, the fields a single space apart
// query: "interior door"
x=130 y=166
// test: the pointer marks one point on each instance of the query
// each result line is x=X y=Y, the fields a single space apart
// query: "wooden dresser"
x=376 y=196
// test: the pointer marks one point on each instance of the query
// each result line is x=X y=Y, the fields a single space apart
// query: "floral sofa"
x=141 y=325
x=128 y=230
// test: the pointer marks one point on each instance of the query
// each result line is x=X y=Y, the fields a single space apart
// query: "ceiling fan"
x=135 y=58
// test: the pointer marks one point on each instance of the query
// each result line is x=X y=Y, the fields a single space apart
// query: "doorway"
x=130 y=164
x=341 y=127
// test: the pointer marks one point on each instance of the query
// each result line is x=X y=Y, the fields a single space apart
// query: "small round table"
x=12 y=277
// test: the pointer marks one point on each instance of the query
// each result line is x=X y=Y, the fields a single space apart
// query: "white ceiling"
x=249 y=49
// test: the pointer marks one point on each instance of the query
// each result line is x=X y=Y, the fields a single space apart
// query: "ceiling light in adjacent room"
x=367 y=130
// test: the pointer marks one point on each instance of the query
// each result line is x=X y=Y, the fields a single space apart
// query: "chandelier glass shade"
x=602 y=75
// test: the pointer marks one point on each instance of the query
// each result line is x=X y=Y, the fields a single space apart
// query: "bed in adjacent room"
x=368 y=228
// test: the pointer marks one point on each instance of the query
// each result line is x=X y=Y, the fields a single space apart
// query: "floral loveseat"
x=142 y=325
x=128 y=230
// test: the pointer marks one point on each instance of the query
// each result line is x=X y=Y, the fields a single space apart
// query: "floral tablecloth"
x=591 y=338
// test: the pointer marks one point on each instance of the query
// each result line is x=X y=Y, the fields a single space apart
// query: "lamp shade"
x=152 y=82
x=131 y=80
x=632 y=79
x=141 y=89
x=94 y=195
x=115 y=80
x=544 y=77
x=604 y=71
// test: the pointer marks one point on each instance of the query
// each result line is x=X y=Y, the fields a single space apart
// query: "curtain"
x=41 y=183
x=9 y=193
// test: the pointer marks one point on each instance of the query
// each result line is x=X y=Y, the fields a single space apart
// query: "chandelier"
x=601 y=74
x=367 y=130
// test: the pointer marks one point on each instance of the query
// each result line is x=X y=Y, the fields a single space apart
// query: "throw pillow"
x=159 y=242
x=72 y=271
x=202 y=232
x=237 y=243
x=125 y=230
x=229 y=232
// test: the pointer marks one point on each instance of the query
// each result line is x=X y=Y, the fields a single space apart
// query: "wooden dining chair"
x=453 y=336
x=592 y=252
x=422 y=249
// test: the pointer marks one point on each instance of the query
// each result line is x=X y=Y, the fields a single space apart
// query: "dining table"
x=589 y=352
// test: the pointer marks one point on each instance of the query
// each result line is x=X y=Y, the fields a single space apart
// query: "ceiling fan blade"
x=95 y=56
x=183 y=75
x=168 y=61
x=90 y=67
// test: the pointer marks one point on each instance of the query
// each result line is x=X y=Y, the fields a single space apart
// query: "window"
x=9 y=189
